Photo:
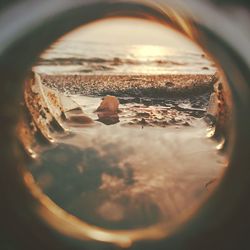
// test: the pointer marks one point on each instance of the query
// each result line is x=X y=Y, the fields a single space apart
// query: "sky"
x=131 y=31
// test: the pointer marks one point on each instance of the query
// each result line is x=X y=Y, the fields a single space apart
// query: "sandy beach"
x=131 y=85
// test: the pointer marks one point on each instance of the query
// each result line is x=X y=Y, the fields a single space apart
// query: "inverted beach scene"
x=135 y=101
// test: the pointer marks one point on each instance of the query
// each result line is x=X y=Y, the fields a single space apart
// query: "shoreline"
x=174 y=85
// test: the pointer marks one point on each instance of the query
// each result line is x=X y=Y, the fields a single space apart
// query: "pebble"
x=110 y=104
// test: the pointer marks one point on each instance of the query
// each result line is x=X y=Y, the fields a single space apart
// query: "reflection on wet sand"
x=147 y=167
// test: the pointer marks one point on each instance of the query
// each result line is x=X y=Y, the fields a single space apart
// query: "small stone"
x=212 y=108
x=169 y=84
x=110 y=104
x=205 y=68
x=187 y=124
x=143 y=121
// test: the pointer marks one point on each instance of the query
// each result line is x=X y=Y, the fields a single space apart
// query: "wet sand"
x=146 y=165
x=128 y=178
x=142 y=112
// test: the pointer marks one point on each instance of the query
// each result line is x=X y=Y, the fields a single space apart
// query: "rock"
x=110 y=104
x=212 y=108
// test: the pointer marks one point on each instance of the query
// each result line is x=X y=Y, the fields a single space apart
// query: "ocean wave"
x=116 y=61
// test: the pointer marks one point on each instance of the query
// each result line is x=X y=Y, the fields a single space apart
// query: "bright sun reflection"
x=146 y=52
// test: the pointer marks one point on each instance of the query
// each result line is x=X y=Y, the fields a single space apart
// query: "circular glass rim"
x=73 y=15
